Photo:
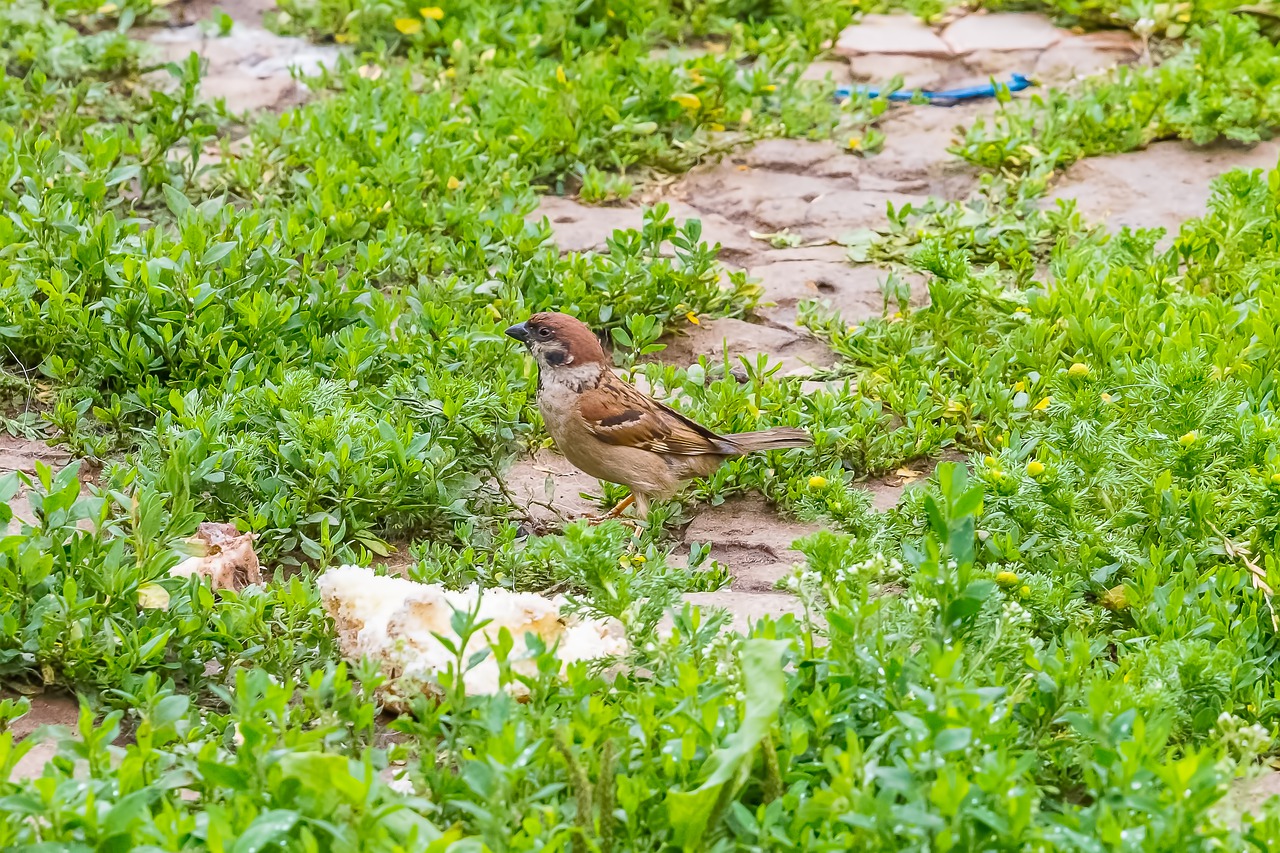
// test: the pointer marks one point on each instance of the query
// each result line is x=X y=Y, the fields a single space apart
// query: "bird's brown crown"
x=574 y=336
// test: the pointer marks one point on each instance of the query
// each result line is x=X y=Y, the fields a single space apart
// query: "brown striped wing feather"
x=618 y=414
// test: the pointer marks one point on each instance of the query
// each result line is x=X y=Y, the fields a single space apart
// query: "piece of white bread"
x=394 y=622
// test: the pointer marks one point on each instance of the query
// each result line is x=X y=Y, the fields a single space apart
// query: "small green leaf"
x=269 y=828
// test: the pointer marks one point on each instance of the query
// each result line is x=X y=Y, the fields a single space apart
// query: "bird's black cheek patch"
x=555 y=357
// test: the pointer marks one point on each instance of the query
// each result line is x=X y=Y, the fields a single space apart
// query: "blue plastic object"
x=950 y=97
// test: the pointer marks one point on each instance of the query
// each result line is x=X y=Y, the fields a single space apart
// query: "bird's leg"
x=617 y=511
x=620 y=506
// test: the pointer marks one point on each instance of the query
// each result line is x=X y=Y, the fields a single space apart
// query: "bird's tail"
x=778 y=438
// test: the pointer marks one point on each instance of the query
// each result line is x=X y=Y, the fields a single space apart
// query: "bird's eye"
x=544 y=332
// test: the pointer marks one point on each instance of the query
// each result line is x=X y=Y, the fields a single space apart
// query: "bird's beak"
x=520 y=332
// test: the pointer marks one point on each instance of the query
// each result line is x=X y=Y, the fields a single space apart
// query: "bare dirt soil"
x=47 y=710
x=250 y=68
x=19 y=454
x=1161 y=186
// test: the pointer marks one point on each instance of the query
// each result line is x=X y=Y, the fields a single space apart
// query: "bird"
x=612 y=431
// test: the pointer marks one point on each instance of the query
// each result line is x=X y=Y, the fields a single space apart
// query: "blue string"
x=1017 y=82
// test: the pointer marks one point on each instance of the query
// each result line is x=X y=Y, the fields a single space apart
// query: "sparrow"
x=612 y=431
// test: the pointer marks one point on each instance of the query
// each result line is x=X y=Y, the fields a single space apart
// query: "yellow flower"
x=1020 y=385
x=693 y=318
x=771 y=88
x=1007 y=578
x=696 y=76
x=1043 y=404
x=687 y=100
x=343 y=38
x=1035 y=468
x=453 y=183
x=1025 y=592
x=1275 y=479
x=1107 y=398
x=854 y=143
x=152 y=596
x=1078 y=369
x=817 y=482
x=638 y=558
x=1189 y=439
x=434 y=13
x=560 y=75
x=1115 y=598
x=408 y=26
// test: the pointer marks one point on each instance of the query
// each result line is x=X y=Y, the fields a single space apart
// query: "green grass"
x=1070 y=646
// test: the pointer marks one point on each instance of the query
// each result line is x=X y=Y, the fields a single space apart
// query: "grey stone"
x=890 y=34
x=847 y=210
x=917 y=72
x=1003 y=31
x=744 y=608
x=823 y=70
x=1079 y=56
x=853 y=290
x=713 y=339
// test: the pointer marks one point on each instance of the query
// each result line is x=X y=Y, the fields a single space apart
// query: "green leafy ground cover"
x=1072 y=647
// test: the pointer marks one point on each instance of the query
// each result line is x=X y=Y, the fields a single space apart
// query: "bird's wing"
x=618 y=414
